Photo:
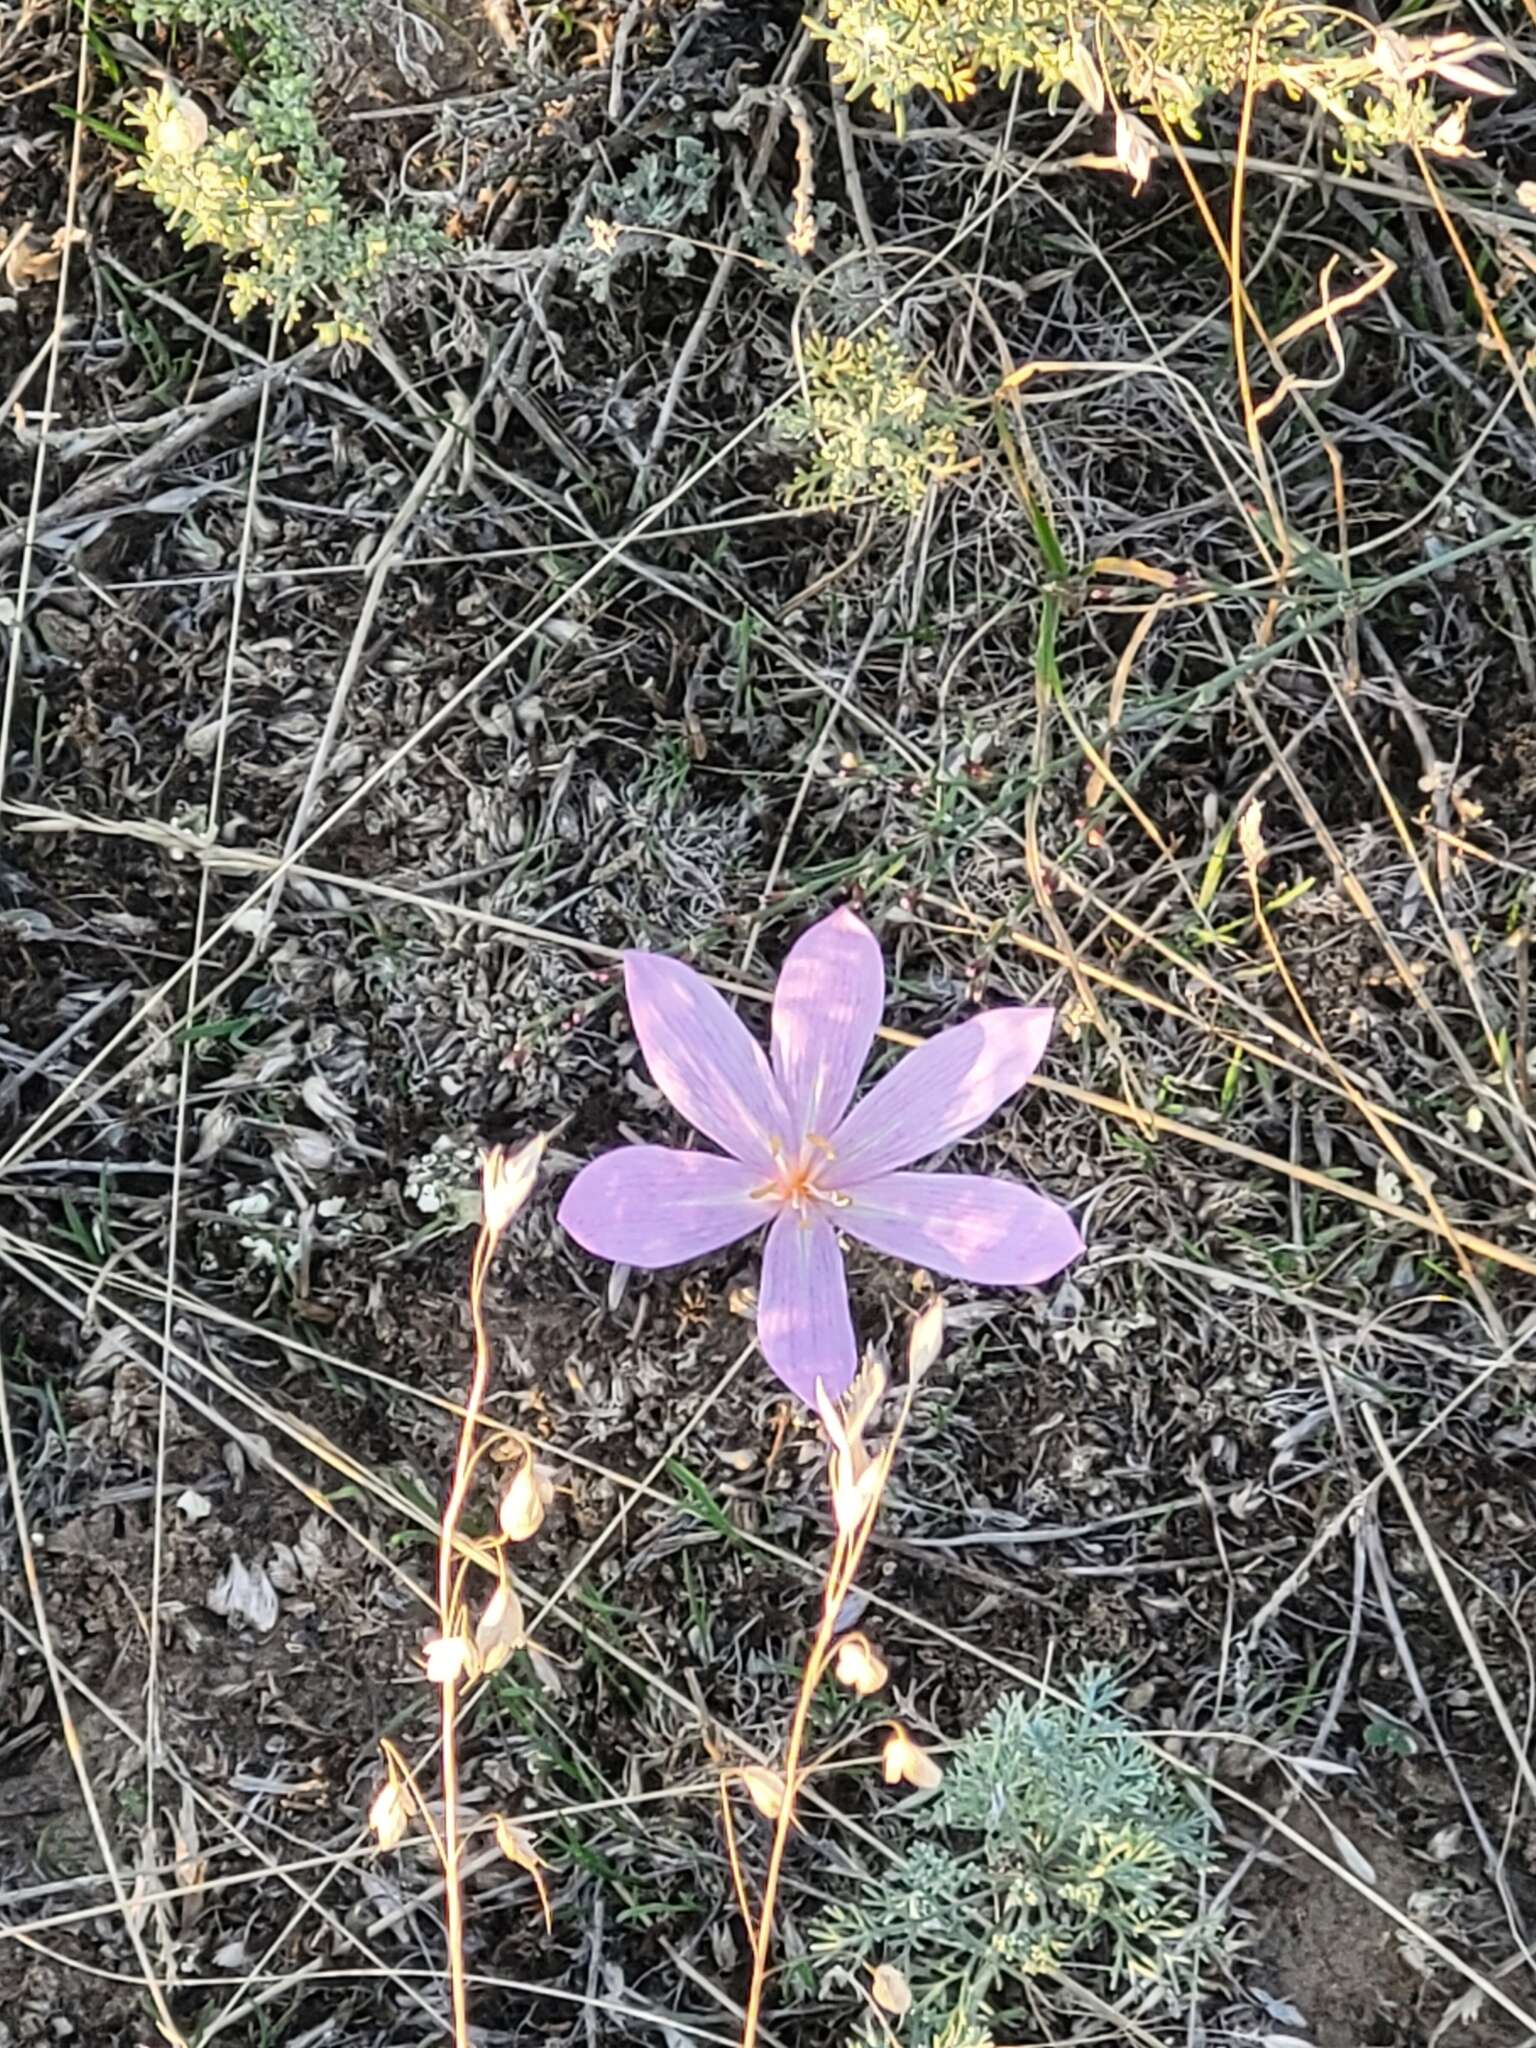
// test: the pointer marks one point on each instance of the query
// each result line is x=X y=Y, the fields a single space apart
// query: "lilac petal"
x=994 y=1232
x=646 y=1205
x=826 y=1010
x=938 y=1093
x=704 y=1060
x=803 y=1322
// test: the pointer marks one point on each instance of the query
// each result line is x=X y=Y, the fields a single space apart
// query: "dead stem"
x=507 y=1185
x=858 y=1486
x=815 y=1666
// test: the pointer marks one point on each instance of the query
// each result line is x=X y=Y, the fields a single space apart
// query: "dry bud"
x=450 y=1658
x=388 y=1815
x=499 y=1630
x=516 y=1844
x=523 y=1503
x=1450 y=137
x=863 y=1398
x=1250 y=834
x=507 y=1181
x=857 y=1497
x=1083 y=72
x=903 y=1761
x=927 y=1338
x=856 y=1481
x=860 y=1665
x=1135 y=151
x=765 y=1789
x=890 y=1990
x=853 y=1491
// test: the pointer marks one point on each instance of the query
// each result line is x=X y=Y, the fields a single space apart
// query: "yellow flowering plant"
x=268 y=192
x=1168 y=56
x=869 y=423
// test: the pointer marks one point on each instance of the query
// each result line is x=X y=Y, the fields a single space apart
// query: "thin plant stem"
x=842 y=1570
x=811 y=1677
x=733 y=1857
x=453 y=1886
x=503 y=1200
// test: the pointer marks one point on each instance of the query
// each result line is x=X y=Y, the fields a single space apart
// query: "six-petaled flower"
x=799 y=1155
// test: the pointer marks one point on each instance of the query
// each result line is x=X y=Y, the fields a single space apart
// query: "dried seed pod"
x=927 y=1338
x=859 y=1665
x=765 y=1789
x=450 y=1658
x=890 y=1990
x=904 y=1761
x=506 y=1181
x=522 y=1505
x=500 y=1629
x=516 y=1844
x=388 y=1814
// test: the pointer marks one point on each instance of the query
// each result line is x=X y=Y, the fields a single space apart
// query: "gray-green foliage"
x=269 y=191
x=869 y=422
x=643 y=213
x=1059 y=1841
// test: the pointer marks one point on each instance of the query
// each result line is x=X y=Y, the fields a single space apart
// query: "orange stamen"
x=794 y=1183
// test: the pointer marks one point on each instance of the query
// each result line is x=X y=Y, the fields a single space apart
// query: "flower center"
x=796 y=1179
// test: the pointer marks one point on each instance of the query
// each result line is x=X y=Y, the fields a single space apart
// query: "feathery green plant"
x=1058 y=1839
x=873 y=427
x=268 y=193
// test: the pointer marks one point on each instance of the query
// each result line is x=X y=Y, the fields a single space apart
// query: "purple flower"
x=799 y=1159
